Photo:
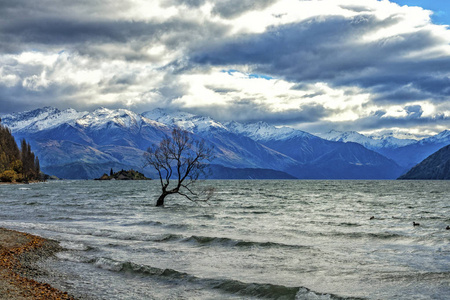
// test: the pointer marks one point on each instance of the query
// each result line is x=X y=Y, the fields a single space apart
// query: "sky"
x=369 y=66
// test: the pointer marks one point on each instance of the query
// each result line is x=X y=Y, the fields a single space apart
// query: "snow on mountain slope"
x=231 y=149
x=120 y=136
x=370 y=142
x=320 y=158
x=49 y=117
x=393 y=142
x=441 y=138
x=394 y=133
x=186 y=121
x=262 y=131
x=40 y=119
x=348 y=136
x=103 y=118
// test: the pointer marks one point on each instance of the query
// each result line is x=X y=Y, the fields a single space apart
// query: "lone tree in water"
x=182 y=157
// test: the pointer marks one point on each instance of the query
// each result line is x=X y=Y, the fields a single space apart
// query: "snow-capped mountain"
x=305 y=149
x=184 y=120
x=320 y=158
x=405 y=152
x=120 y=137
x=261 y=131
x=441 y=138
x=73 y=144
x=40 y=119
x=370 y=142
x=103 y=118
x=395 y=134
x=413 y=154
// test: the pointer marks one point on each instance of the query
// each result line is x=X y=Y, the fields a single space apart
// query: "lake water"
x=254 y=240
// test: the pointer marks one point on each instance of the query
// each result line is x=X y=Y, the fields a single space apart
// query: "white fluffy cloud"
x=316 y=65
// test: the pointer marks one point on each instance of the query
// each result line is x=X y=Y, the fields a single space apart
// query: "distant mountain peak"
x=184 y=120
x=442 y=138
x=103 y=117
x=374 y=142
x=262 y=131
x=444 y=134
x=38 y=119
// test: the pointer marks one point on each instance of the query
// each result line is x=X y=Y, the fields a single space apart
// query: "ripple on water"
x=313 y=241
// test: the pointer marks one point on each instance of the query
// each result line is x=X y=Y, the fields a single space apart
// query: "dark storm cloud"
x=87 y=29
x=222 y=90
x=413 y=119
x=329 y=49
x=305 y=114
x=47 y=22
x=24 y=35
x=305 y=43
x=17 y=98
x=249 y=110
x=414 y=111
x=118 y=83
x=379 y=120
x=80 y=9
x=80 y=25
x=399 y=96
x=234 y=8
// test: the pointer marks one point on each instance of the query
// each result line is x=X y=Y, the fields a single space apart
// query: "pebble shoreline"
x=18 y=255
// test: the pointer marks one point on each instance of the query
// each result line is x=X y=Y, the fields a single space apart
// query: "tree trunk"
x=160 y=201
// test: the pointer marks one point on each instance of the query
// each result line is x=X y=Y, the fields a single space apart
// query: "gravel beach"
x=19 y=253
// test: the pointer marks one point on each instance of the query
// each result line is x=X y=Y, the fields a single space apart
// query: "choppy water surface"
x=255 y=239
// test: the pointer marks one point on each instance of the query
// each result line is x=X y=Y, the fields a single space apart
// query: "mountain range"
x=407 y=152
x=84 y=145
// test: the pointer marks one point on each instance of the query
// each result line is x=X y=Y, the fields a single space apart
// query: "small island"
x=123 y=175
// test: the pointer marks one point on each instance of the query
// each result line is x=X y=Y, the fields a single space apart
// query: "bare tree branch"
x=189 y=158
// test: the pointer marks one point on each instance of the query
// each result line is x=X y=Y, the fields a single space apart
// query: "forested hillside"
x=434 y=167
x=16 y=165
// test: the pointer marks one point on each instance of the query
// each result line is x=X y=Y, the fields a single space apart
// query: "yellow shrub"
x=17 y=166
x=8 y=176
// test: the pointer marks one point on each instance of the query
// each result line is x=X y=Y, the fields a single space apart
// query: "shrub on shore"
x=8 y=176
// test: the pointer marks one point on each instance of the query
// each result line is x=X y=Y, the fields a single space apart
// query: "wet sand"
x=19 y=253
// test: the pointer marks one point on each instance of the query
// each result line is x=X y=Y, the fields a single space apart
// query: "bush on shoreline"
x=8 y=176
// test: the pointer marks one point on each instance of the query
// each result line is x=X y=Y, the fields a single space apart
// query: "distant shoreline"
x=5 y=183
x=18 y=255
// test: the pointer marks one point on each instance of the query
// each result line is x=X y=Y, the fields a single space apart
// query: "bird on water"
x=416 y=224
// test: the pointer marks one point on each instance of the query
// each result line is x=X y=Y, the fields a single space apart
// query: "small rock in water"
x=448 y=227
x=372 y=217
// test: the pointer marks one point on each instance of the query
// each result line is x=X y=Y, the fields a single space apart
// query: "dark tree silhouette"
x=28 y=159
x=180 y=156
x=19 y=165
